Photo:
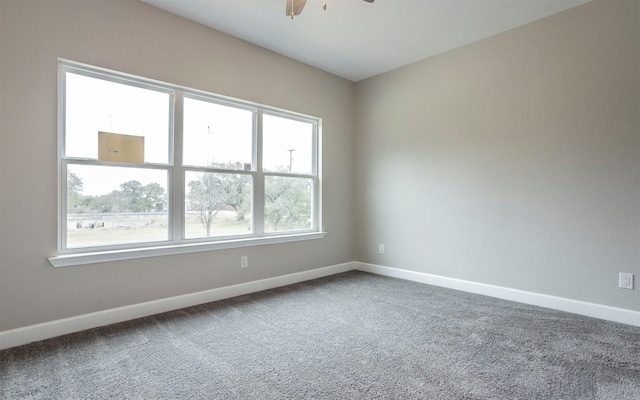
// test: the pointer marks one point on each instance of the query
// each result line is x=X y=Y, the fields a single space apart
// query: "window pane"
x=217 y=136
x=94 y=105
x=217 y=204
x=287 y=145
x=287 y=203
x=113 y=205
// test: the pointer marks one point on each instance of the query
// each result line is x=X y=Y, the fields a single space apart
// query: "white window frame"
x=176 y=243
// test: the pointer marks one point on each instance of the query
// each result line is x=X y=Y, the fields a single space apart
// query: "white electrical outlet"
x=244 y=262
x=625 y=281
x=381 y=248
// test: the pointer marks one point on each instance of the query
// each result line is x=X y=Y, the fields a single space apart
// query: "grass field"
x=150 y=229
x=112 y=229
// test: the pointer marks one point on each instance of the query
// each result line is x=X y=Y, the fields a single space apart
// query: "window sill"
x=68 y=260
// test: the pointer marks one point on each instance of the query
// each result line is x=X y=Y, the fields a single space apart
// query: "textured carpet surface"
x=348 y=336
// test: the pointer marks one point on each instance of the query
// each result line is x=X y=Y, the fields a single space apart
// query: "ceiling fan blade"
x=294 y=7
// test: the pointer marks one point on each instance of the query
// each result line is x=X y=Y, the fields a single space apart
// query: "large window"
x=146 y=164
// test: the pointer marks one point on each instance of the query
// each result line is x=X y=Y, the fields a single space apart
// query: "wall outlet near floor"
x=381 y=248
x=244 y=262
x=625 y=281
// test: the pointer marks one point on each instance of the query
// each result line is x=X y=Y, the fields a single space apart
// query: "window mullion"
x=177 y=177
x=62 y=164
x=258 y=178
x=317 y=186
x=62 y=214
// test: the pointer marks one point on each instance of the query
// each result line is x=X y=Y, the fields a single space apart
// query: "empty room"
x=339 y=199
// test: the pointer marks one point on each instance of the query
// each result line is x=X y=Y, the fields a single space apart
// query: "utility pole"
x=291 y=158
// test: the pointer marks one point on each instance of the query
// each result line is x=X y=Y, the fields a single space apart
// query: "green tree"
x=101 y=204
x=152 y=194
x=135 y=197
x=131 y=196
x=207 y=197
x=238 y=192
x=215 y=191
x=74 y=192
x=287 y=201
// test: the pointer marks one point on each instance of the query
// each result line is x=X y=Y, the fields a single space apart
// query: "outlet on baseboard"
x=625 y=281
x=244 y=262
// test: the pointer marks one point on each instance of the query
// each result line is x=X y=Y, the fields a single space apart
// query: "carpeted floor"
x=349 y=336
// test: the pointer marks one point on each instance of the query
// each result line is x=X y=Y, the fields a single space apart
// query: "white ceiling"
x=355 y=39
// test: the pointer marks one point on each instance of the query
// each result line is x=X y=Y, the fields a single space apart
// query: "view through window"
x=224 y=169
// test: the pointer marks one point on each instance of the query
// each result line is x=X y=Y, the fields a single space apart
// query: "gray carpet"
x=349 y=336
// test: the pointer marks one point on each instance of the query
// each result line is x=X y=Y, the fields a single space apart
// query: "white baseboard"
x=599 y=311
x=28 y=334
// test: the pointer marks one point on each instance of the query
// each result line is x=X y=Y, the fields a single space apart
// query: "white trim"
x=176 y=243
x=599 y=311
x=68 y=260
x=28 y=334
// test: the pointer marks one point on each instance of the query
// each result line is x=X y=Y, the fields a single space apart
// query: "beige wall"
x=139 y=39
x=513 y=161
